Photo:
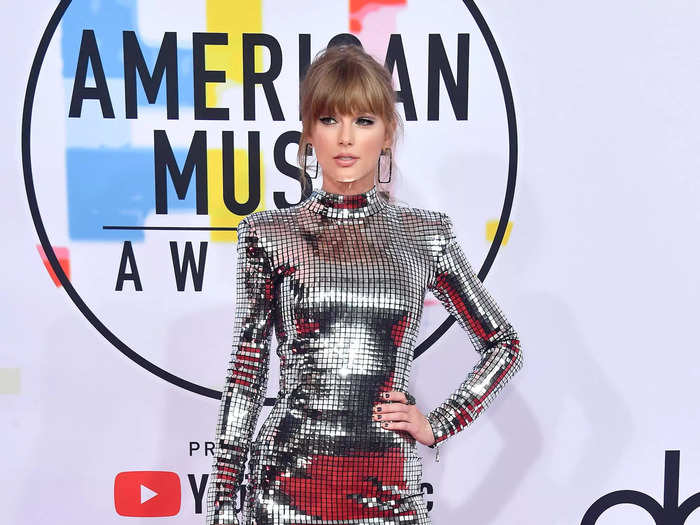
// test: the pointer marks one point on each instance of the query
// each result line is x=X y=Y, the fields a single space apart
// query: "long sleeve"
x=246 y=381
x=458 y=288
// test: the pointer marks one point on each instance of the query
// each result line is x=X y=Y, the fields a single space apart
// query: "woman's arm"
x=458 y=288
x=246 y=380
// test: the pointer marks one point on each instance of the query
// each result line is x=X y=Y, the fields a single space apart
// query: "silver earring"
x=309 y=151
x=387 y=152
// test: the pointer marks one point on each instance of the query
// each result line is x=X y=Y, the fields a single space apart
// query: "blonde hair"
x=345 y=79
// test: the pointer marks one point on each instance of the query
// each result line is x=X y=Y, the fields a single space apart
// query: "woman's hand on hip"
x=395 y=413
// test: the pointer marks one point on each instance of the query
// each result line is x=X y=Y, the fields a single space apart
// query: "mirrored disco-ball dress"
x=342 y=279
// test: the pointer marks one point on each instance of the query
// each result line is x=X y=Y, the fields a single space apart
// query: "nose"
x=345 y=133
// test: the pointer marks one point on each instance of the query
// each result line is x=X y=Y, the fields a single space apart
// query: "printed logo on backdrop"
x=668 y=513
x=173 y=120
x=147 y=493
x=156 y=493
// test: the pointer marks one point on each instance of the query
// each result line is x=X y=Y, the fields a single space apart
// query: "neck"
x=345 y=205
x=348 y=188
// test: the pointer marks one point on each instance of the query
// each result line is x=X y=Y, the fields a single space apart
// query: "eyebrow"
x=358 y=113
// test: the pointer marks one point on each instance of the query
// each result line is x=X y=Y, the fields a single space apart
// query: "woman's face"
x=347 y=148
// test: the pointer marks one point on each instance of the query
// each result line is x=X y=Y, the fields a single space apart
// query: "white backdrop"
x=598 y=272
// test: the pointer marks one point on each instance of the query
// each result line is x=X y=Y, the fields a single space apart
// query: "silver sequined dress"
x=342 y=279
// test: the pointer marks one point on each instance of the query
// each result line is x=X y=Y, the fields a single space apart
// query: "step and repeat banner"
x=144 y=130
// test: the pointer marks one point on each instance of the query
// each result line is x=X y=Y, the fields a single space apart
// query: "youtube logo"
x=147 y=493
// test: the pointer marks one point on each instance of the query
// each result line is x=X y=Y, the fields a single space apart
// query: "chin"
x=346 y=178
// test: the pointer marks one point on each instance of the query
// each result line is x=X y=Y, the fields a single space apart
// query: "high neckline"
x=339 y=205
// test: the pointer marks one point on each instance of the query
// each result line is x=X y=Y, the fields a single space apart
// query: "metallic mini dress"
x=342 y=279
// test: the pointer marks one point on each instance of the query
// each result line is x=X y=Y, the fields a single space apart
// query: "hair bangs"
x=346 y=91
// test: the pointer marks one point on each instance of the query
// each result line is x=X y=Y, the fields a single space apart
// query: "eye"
x=326 y=119
x=364 y=121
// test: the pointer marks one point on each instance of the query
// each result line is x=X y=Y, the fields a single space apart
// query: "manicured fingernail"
x=386 y=395
x=379 y=409
x=386 y=423
x=379 y=416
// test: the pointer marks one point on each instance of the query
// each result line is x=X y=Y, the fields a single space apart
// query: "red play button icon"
x=147 y=493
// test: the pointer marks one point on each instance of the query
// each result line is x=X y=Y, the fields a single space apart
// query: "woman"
x=342 y=277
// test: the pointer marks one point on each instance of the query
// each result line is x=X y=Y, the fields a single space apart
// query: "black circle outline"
x=121 y=346
x=512 y=167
